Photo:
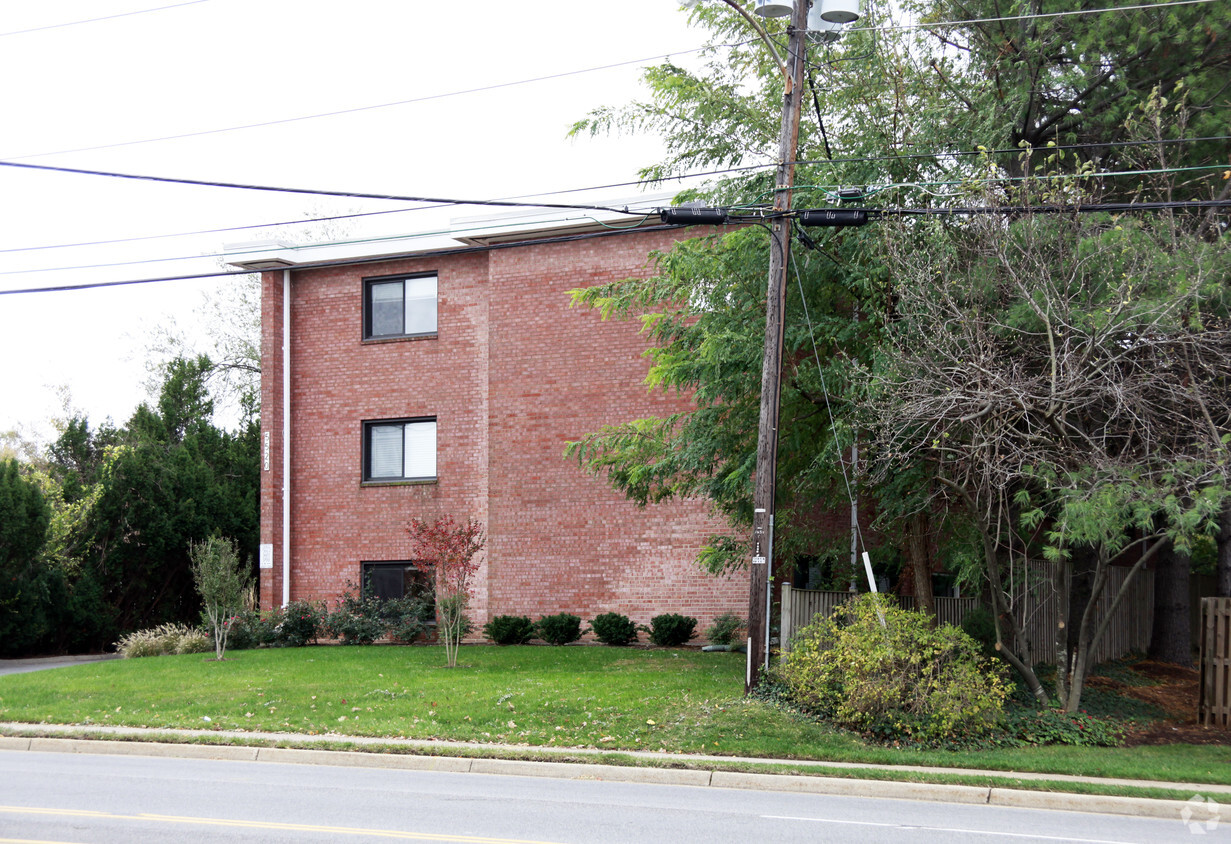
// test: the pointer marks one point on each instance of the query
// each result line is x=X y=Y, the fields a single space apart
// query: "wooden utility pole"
x=771 y=370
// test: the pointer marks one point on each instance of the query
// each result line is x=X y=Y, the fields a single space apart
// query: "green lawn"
x=593 y=697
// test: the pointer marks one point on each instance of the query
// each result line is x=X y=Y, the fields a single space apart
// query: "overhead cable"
x=309 y=191
x=357 y=109
x=343 y=262
x=1040 y=15
x=96 y=20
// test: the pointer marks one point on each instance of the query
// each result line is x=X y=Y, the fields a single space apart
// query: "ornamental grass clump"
x=164 y=639
x=887 y=672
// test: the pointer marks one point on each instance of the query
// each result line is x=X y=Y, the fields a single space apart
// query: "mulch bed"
x=1175 y=691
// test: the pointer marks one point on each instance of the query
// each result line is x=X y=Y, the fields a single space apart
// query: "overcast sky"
x=88 y=78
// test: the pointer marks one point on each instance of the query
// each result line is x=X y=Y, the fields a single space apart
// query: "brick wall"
x=511 y=376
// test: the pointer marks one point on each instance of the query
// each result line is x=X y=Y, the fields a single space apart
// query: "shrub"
x=886 y=671
x=509 y=629
x=724 y=628
x=300 y=622
x=408 y=618
x=356 y=619
x=1055 y=726
x=611 y=628
x=243 y=635
x=979 y=625
x=559 y=629
x=671 y=630
x=164 y=639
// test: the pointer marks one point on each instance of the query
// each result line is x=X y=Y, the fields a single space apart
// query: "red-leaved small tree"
x=448 y=552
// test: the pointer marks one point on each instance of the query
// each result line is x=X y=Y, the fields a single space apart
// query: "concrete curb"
x=820 y=784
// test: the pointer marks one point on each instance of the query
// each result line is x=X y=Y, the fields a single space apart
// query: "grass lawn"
x=593 y=697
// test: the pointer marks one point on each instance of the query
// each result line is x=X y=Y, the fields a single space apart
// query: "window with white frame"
x=399 y=450
x=399 y=307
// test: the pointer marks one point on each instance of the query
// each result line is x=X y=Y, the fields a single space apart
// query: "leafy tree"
x=24 y=518
x=933 y=115
x=222 y=581
x=449 y=552
x=134 y=499
x=1065 y=377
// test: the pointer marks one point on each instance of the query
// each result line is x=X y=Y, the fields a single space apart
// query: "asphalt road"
x=56 y=797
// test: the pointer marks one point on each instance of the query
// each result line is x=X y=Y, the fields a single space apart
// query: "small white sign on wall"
x=267 y=556
x=265 y=451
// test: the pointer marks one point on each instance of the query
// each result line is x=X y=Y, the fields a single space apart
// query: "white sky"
x=215 y=64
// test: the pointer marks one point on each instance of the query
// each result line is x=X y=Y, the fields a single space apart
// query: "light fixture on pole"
x=774 y=8
x=839 y=11
x=821 y=31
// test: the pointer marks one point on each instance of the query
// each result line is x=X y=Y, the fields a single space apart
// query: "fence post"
x=786 y=621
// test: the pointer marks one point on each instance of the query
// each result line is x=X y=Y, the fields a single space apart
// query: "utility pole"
x=771 y=371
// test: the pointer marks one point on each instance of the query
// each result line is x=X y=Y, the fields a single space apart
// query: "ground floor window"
x=393 y=580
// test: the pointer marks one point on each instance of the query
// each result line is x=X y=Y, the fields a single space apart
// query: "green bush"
x=885 y=671
x=243 y=633
x=408 y=618
x=1055 y=726
x=356 y=619
x=300 y=622
x=559 y=629
x=509 y=629
x=671 y=630
x=724 y=628
x=255 y=629
x=611 y=628
x=165 y=639
x=979 y=625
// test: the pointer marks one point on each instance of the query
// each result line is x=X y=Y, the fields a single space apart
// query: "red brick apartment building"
x=445 y=381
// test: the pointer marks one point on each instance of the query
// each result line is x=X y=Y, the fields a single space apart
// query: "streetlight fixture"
x=775 y=8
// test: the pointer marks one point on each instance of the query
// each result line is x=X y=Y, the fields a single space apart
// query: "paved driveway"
x=21 y=666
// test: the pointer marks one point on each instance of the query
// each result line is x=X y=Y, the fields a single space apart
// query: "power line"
x=1007 y=18
x=309 y=246
x=357 y=109
x=96 y=20
x=873 y=214
x=637 y=183
x=222 y=230
x=1092 y=208
x=460 y=250
x=310 y=191
x=827 y=189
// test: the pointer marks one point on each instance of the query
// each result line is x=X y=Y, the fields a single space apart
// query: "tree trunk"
x=1171 y=638
x=1223 y=588
x=918 y=548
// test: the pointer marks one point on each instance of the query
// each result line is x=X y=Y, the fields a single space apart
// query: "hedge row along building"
x=445 y=379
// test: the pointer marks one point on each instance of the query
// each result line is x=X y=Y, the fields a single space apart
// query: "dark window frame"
x=419 y=580
x=369 y=283
x=366 y=446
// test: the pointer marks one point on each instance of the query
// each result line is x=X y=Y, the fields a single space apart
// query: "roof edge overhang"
x=522 y=226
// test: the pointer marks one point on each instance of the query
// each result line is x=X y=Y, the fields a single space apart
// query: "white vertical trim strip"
x=286 y=437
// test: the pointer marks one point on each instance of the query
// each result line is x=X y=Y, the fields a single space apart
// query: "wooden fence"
x=800 y=606
x=1215 y=706
x=1035 y=605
